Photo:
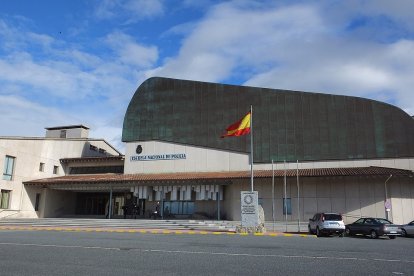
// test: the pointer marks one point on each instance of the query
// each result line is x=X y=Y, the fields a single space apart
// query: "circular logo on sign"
x=248 y=199
x=139 y=149
x=387 y=204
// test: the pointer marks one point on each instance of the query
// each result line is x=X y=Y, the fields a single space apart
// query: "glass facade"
x=287 y=125
x=178 y=208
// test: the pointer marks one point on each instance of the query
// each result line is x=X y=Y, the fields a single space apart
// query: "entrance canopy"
x=108 y=181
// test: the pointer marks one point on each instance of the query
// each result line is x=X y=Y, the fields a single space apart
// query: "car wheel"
x=373 y=234
x=348 y=232
x=403 y=233
x=392 y=237
x=310 y=230
x=318 y=232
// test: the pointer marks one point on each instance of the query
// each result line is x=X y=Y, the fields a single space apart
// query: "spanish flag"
x=239 y=128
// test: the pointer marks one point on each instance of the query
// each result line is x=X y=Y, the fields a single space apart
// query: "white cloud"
x=82 y=87
x=279 y=45
x=112 y=135
x=54 y=77
x=231 y=37
x=144 y=8
x=297 y=47
x=133 y=10
x=130 y=52
x=398 y=11
x=23 y=117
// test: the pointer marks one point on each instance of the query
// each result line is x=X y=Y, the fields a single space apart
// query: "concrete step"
x=118 y=223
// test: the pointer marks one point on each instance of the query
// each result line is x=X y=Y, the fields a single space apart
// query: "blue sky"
x=79 y=62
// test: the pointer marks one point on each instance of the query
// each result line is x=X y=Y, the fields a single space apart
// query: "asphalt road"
x=104 y=253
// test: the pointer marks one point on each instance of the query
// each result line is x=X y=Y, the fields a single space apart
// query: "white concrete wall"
x=353 y=197
x=58 y=203
x=198 y=159
x=29 y=153
x=70 y=133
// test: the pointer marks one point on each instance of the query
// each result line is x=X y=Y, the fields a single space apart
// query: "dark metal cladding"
x=288 y=125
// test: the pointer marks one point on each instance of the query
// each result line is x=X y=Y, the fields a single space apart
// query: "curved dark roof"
x=288 y=125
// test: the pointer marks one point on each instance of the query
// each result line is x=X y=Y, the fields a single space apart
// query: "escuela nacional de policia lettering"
x=158 y=157
x=337 y=153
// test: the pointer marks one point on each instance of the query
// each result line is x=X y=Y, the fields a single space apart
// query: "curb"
x=151 y=231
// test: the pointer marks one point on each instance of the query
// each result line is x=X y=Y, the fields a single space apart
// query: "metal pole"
x=110 y=204
x=162 y=203
x=273 y=196
x=297 y=184
x=386 y=197
x=285 y=199
x=218 y=203
x=251 y=147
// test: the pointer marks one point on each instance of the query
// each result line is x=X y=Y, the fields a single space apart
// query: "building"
x=28 y=158
x=337 y=153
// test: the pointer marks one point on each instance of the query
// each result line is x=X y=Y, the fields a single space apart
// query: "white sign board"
x=387 y=204
x=249 y=209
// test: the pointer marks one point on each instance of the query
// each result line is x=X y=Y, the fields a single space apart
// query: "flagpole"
x=251 y=147
x=285 y=200
x=297 y=183
x=273 y=196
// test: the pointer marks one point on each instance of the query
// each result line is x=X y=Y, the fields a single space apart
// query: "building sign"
x=387 y=205
x=156 y=157
x=249 y=209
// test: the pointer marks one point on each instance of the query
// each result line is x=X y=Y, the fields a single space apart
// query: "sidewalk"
x=147 y=226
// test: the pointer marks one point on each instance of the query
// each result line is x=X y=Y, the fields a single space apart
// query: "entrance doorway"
x=97 y=204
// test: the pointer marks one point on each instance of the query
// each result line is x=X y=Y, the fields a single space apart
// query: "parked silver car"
x=407 y=229
x=374 y=227
x=326 y=223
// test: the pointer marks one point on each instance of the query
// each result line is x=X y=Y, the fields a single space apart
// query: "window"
x=41 y=167
x=4 y=199
x=92 y=147
x=178 y=207
x=8 y=167
x=360 y=221
x=37 y=202
x=334 y=217
x=369 y=221
x=63 y=133
x=287 y=206
x=55 y=169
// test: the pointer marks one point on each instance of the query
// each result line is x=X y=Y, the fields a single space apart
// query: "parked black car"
x=407 y=229
x=374 y=227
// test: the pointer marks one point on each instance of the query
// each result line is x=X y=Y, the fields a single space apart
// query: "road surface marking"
x=208 y=253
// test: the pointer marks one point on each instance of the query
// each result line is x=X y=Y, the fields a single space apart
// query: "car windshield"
x=334 y=217
x=383 y=221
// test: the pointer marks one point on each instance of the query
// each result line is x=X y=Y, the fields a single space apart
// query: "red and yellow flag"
x=239 y=128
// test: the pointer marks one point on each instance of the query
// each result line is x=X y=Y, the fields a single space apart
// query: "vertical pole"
x=273 y=196
x=297 y=184
x=251 y=147
x=218 y=203
x=110 y=204
x=285 y=199
x=162 y=203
